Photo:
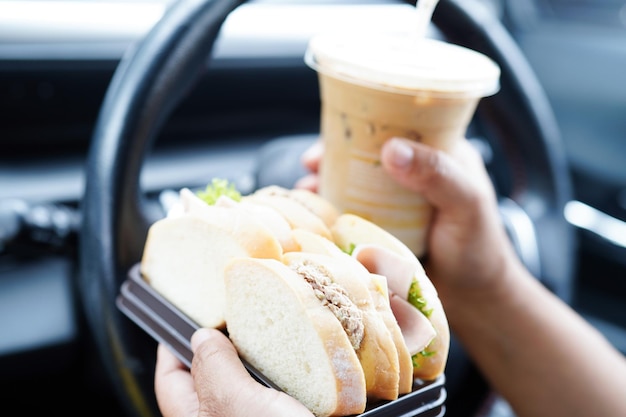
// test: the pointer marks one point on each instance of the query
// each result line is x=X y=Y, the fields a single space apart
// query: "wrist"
x=489 y=295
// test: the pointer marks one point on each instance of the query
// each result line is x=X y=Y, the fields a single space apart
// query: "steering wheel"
x=516 y=126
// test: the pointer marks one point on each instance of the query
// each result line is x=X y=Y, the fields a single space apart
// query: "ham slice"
x=399 y=270
x=416 y=329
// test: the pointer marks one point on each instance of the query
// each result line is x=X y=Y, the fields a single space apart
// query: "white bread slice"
x=280 y=327
x=349 y=231
x=324 y=209
x=377 y=351
x=320 y=206
x=308 y=241
x=298 y=215
x=184 y=257
x=377 y=287
x=313 y=202
x=267 y=216
x=249 y=230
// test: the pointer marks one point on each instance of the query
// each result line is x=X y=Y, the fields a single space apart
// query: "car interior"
x=109 y=107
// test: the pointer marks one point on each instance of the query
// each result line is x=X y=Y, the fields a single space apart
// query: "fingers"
x=468 y=246
x=308 y=182
x=440 y=177
x=450 y=181
x=174 y=386
x=312 y=156
x=217 y=372
x=311 y=161
x=224 y=386
x=216 y=364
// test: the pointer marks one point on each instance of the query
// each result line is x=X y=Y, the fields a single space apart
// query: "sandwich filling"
x=335 y=298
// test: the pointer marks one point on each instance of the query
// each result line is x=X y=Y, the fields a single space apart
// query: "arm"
x=536 y=351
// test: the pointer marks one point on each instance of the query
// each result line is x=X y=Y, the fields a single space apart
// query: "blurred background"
x=56 y=61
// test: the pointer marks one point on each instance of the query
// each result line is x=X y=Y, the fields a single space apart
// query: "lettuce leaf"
x=216 y=188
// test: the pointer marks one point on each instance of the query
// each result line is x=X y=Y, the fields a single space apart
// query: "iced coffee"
x=377 y=86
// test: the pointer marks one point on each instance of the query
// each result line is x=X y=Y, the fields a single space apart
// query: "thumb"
x=224 y=386
x=448 y=180
x=216 y=368
x=217 y=372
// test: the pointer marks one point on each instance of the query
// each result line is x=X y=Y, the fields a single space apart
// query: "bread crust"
x=311 y=201
x=298 y=215
x=318 y=205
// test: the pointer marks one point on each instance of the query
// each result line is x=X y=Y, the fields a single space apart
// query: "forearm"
x=538 y=353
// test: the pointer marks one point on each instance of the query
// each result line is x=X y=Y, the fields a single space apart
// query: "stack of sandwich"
x=330 y=307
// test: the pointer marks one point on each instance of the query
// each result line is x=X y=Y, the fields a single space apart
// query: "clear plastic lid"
x=398 y=62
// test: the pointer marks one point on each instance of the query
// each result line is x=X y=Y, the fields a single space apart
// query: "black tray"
x=166 y=324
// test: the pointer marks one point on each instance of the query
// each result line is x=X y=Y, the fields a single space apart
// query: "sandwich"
x=280 y=326
x=413 y=297
x=332 y=309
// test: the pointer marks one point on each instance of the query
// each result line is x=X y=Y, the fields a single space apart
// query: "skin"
x=532 y=347
x=218 y=384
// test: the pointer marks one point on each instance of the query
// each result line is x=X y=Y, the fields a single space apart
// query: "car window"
x=599 y=12
x=578 y=51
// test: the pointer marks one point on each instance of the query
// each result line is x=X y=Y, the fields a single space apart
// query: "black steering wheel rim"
x=155 y=76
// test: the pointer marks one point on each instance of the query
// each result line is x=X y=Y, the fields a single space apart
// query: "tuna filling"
x=336 y=299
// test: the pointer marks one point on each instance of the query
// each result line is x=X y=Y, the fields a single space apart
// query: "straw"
x=424 y=13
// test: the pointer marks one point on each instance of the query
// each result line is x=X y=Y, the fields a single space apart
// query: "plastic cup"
x=377 y=86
